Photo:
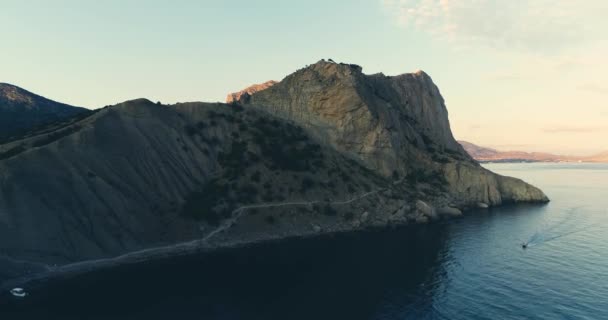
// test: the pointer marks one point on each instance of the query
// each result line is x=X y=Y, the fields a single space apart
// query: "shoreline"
x=33 y=282
x=193 y=247
x=183 y=249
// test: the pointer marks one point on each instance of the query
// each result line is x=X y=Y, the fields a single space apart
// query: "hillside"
x=484 y=154
x=22 y=111
x=327 y=149
x=600 y=157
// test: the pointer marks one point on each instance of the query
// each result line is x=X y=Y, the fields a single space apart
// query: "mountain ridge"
x=21 y=111
x=484 y=154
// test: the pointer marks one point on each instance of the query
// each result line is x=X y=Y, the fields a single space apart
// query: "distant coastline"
x=489 y=155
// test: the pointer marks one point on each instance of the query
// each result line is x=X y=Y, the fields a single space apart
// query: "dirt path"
x=238 y=213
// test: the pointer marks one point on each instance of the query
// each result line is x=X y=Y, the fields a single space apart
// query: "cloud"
x=573 y=129
x=504 y=76
x=537 y=25
x=590 y=87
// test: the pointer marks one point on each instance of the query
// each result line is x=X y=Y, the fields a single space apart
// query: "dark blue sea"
x=469 y=268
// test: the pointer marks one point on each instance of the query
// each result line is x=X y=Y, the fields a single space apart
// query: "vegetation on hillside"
x=266 y=160
x=43 y=134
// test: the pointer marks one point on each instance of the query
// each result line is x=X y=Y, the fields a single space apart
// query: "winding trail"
x=238 y=213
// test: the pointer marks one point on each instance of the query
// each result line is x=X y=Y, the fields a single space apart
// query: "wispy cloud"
x=504 y=76
x=536 y=25
x=590 y=87
x=573 y=129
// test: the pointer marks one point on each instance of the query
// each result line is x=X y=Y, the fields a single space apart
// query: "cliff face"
x=393 y=125
x=377 y=119
x=21 y=110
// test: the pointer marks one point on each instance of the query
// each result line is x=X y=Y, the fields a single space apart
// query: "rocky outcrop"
x=378 y=119
x=394 y=125
x=449 y=212
x=472 y=184
x=244 y=95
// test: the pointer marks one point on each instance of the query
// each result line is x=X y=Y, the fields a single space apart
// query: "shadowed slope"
x=21 y=110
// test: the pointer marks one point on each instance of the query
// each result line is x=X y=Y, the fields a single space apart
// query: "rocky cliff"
x=327 y=149
x=244 y=94
x=394 y=125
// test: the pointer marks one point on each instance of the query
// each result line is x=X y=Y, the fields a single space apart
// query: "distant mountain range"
x=21 y=111
x=483 y=154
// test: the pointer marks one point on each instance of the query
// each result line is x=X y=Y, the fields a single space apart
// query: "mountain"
x=484 y=154
x=327 y=149
x=393 y=125
x=21 y=111
x=477 y=152
x=600 y=157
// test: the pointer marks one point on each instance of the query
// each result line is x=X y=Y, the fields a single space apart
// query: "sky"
x=516 y=75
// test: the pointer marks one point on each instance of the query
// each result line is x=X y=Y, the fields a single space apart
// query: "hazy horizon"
x=518 y=75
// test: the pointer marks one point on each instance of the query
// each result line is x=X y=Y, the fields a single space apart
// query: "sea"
x=473 y=267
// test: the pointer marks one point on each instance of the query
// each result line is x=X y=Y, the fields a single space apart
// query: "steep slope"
x=21 y=111
x=394 y=125
x=139 y=175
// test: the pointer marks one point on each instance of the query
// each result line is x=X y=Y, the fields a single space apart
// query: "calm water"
x=470 y=268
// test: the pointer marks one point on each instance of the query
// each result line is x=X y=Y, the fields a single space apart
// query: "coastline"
x=35 y=281
x=193 y=247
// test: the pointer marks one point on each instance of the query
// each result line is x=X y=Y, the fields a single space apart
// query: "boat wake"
x=570 y=224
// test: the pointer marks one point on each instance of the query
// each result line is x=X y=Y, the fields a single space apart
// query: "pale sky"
x=516 y=75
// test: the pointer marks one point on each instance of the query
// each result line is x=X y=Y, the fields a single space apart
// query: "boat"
x=18 y=292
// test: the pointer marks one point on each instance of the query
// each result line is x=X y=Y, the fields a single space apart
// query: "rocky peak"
x=14 y=94
x=377 y=119
x=330 y=68
x=243 y=95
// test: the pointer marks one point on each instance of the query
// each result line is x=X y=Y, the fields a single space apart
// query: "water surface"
x=469 y=268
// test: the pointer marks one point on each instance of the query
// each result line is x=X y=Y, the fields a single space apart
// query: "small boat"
x=524 y=245
x=18 y=292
